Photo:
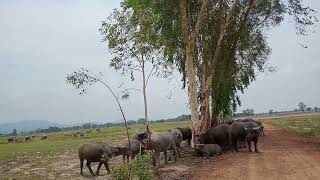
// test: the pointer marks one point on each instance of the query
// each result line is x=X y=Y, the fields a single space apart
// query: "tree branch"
x=150 y=74
x=184 y=20
x=199 y=20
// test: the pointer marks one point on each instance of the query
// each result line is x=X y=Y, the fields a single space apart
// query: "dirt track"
x=283 y=156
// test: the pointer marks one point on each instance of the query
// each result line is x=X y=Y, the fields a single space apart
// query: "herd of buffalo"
x=25 y=138
x=228 y=136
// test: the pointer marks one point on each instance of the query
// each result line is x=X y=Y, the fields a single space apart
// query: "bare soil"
x=283 y=156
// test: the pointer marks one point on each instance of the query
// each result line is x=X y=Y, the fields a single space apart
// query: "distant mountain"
x=27 y=125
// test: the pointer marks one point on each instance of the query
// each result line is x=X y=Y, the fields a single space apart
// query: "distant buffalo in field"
x=98 y=130
x=11 y=139
x=43 y=137
x=28 y=138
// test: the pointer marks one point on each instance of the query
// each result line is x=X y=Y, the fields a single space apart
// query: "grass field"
x=303 y=125
x=57 y=143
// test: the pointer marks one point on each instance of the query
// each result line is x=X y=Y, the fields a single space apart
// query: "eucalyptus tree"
x=219 y=45
x=134 y=45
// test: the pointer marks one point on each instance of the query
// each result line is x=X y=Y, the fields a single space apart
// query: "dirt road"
x=283 y=156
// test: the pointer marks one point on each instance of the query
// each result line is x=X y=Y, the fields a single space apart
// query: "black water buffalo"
x=186 y=134
x=217 y=135
x=240 y=131
x=206 y=150
x=11 y=139
x=93 y=152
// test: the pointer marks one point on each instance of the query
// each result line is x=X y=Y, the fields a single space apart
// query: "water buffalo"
x=28 y=138
x=186 y=134
x=159 y=142
x=206 y=150
x=43 y=137
x=178 y=137
x=217 y=135
x=11 y=139
x=261 y=128
x=135 y=148
x=93 y=152
x=248 y=131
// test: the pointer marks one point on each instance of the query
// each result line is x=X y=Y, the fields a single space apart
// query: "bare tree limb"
x=150 y=73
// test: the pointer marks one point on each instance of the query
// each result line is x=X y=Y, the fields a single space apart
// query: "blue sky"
x=42 y=41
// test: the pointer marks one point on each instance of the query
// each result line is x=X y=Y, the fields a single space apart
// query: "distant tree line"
x=95 y=125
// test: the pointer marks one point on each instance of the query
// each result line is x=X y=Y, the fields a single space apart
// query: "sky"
x=43 y=41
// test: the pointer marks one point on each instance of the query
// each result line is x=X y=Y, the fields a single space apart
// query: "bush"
x=140 y=168
x=122 y=172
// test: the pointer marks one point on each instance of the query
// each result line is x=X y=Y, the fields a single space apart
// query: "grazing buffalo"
x=248 y=131
x=136 y=147
x=217 y=135
x=186 y=134
x=96 y=153
x=159 y=142
x=28 y=138
x=11 y=139
x=98 y=130
x=43 y=137
x=206 y=150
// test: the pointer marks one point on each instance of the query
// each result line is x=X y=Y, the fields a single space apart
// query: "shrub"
x=138 y=168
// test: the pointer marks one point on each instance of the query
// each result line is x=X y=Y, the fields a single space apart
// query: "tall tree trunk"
x=189 y=38
x=205 y=102
x=191 y=75
x=144 y=91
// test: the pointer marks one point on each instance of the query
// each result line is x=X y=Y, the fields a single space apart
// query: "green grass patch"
x=303 y=125
x=58 y=143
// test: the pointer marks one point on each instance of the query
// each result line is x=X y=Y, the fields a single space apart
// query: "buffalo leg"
x=81 y=166
x=249 y=145
x=255 y=146
x=235 y=145
x=176 y=153
x=98 y=169
x=154 y=159
x=165 y=157
x=107 y=167
x=178 y=150
x=89 y=167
